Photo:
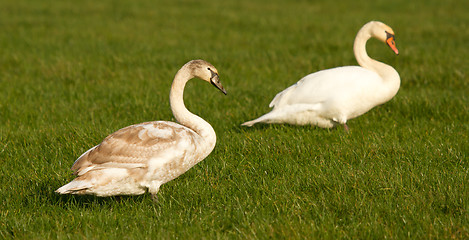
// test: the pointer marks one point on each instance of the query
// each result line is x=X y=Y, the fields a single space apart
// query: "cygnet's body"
x=144 y=156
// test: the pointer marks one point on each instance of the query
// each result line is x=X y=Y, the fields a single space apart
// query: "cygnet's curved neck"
x=180 y=112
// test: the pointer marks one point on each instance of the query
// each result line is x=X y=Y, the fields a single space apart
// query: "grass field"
x=72 y=72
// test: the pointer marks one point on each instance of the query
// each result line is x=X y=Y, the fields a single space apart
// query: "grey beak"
x=216 y=82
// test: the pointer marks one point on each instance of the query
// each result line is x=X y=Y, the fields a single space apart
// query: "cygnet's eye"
x=212 y=72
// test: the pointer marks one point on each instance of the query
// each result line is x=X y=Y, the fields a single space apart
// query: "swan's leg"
x=341 y=120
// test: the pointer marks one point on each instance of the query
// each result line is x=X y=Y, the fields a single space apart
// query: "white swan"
x=330 y=97
x=144 y=156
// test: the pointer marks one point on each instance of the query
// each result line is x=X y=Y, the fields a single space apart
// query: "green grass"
x=72 y=72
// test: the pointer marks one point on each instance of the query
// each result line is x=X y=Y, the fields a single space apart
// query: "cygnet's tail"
x=74 y=187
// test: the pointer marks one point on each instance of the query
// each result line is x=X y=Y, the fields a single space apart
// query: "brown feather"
x=133 y=144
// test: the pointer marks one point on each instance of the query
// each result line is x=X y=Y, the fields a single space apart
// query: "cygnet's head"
x=384 y=33
x=205 y=71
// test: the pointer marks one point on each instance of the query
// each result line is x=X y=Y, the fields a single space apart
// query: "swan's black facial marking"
x=390 y=41
x=389 y=35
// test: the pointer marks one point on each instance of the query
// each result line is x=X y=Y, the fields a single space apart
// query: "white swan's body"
x=333 y=96
x=144 y=156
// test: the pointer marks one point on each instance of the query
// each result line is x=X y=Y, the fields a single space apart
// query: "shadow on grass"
x=265 y=126
x=89 y=201
x=241 y=129
x=43 y=193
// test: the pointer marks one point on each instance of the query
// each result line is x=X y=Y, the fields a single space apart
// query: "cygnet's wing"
x=134 y=146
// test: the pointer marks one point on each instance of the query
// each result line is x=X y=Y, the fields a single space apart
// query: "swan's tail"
x=297 y=114
x=267 y=118
x=250 y=123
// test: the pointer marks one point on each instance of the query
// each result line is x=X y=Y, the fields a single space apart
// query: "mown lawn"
x=72 y=72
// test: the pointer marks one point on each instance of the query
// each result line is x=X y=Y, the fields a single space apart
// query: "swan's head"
x=205 y=71
x=384 y=33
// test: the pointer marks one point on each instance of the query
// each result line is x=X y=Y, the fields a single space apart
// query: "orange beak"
x=391 y=43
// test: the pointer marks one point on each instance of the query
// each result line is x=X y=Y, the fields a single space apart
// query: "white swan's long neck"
x=387 y=73
x=180 y=112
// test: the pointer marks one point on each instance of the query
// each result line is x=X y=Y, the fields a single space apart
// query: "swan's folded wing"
x=132 y=146
x=341 y=82
x=282 y=97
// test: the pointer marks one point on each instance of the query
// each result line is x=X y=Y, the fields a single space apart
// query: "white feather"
x=333 y=96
